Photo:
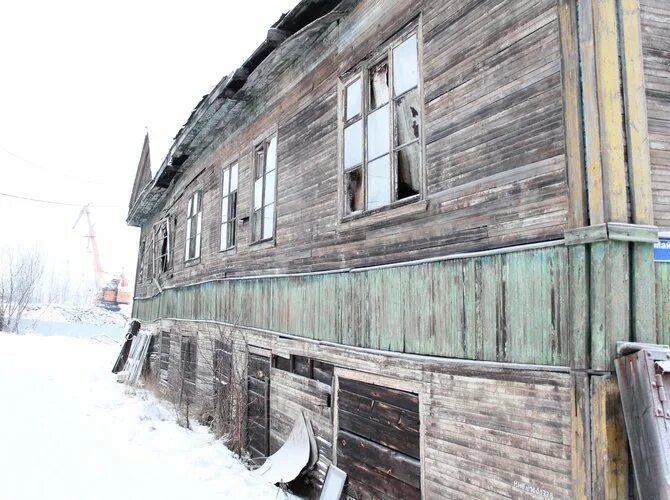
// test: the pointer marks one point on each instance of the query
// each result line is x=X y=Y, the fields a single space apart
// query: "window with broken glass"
x=149 y=256
x=228 y=206
x=381 y=130
x=193 y=226
x=140 y=268
x=162 y=247
x=265 y=181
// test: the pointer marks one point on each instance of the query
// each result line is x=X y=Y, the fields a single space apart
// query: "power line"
x=42 y=167
x=51 y=202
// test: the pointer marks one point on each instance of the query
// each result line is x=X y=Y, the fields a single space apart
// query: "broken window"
x=150 y=259
x=193 y=226
x=162 y=247
x=381 y=130
x=140 y=267
x=228 y=206
x=265 y=181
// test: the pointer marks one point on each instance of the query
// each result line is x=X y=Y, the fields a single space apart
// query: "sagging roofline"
x=305 y=14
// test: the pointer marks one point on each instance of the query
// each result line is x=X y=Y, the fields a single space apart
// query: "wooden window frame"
x=158 y=255
x=361 y=72
x=149 y=249
x=231 y=222
x=190 y=218
x=140 y=267
x=259 y=146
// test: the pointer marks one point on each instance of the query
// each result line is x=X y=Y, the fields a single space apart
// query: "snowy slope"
x=69 y=431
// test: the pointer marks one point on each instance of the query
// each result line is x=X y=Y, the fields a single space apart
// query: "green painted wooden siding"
x=663 y=302
x=508 y=307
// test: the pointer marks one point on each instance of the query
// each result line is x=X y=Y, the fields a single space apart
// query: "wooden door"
x=224 y=392
x=258 y=405
x=378 y=443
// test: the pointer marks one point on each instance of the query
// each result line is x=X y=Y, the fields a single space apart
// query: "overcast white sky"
x=80 y=81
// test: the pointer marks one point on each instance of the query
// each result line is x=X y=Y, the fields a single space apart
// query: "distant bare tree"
x=19 y=276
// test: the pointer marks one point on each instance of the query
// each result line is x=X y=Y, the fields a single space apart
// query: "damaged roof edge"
x=302 y=15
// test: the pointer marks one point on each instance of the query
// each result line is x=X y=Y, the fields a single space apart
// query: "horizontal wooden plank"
x=383 y=459
x=403 y=441
x=401 y=399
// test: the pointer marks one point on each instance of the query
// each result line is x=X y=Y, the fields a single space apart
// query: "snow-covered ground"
x=69 y=431
x=72 y=321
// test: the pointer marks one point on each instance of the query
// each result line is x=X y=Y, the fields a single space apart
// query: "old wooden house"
x=425 y=224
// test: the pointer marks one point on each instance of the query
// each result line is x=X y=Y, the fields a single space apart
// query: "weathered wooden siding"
x=486 y=430
x=663 y=302
x=494 y=162
x=655 y=16
x=504 y=307
x=497 y=435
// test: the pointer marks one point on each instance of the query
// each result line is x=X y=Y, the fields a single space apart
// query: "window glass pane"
x=224 y=236
x=379 y=85
x=268 y=221
x=270 y=187
x=258 y=193
x=189 y=211
x=353 y=100
x=353 y=145
x=197 y=245
x=224 y=209
x=408 y=161
x=233 y=178
x=256 y=229
x=354 y=193
x=196 y=203
x=199 y=225
x=232 y=207
x=271 y=161
x=405 y=66
x=231 y=234
x=259 y=163
x=407 y=118
x=225 y=184
x=379 y=183
x=188 y=235
x=191 y=252
x=378 y=133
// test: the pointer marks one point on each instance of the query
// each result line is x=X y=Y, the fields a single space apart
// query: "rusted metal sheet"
x=644 y=385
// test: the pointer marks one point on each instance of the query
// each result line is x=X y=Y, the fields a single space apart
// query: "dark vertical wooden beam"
x=581 y=436
x=579 y=304
x=589 y=89
x=643 y=302
x=635 y=102
x=572 y=113
x=609 y=447
x=605 y=24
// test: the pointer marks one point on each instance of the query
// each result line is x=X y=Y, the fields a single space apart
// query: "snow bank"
x=93 y=315
x=69 y=431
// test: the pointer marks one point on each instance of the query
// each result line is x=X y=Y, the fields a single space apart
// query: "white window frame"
x=193 y=213
x=229 y=196
x=260 y=212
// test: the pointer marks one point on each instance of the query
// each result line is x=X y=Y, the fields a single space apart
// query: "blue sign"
x=662 y=250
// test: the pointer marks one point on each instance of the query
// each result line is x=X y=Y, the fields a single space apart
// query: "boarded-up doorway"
x=224 y=396
x=378 y=438
x=258 y=406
